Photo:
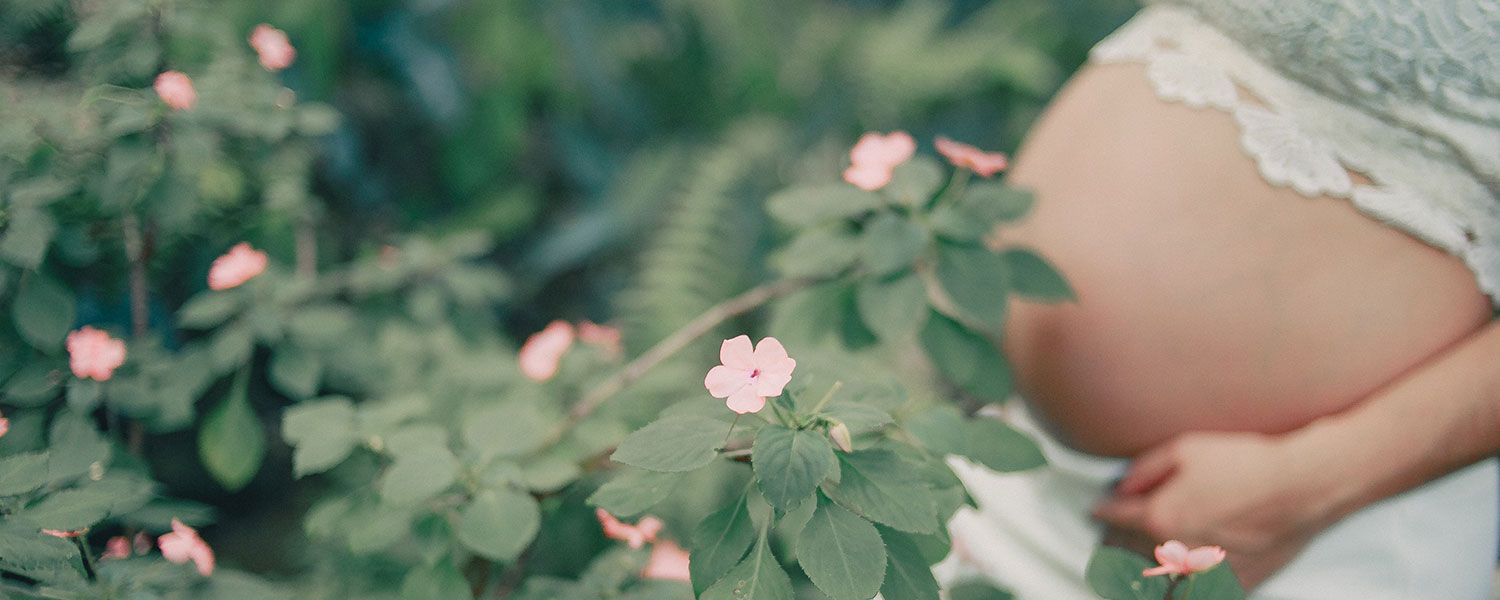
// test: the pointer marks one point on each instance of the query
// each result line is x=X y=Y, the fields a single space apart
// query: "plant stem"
x=135 y=251
x=731 y=430
x=679 y=339
x=86 y=556
x=826 y=397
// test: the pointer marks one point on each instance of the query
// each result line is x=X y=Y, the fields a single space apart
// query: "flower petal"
x=868 y=178
x=737 y=352
x=771 y=384
x=745 y=400
x=668 y=561
x=768 y=352
x=723 y=381
x=1203 y=558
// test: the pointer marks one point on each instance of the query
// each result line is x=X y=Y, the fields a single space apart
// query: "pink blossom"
x=62 y=533
x=603 y=337
x=4 y=425
x=1176 y=559
x=634 y=536
x=116 y=547
x=176 y=89
x=235 y=267
x=839 y=433
x=874 y=156
x=543 y=351
x=748 y=376
x=668 y=561
x=92 y=353
x=964 y=156
x=183 y=544
x=275 y=51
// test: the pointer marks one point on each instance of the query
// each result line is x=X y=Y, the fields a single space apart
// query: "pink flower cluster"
x=875 y=157
x=272 y=48
x=183 y=544
x=668 y=560
x=1177 y=559
x=235 y=267
x=541 y=354
x=749 y=375
x=93 y=354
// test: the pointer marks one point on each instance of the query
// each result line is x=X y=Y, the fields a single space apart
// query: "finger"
x=1126 y=512
x=1147 y=471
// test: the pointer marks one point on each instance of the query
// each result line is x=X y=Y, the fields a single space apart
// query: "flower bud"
x=839 y=433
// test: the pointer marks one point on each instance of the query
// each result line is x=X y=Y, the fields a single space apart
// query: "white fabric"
x=1432 y=152
x=1032 y=534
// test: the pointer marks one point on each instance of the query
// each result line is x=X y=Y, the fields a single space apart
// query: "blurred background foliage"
x=535 y=159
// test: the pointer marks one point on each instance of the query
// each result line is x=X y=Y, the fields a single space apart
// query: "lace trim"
x=1310 y=143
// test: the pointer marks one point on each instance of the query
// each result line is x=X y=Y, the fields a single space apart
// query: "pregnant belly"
x=1207 y=298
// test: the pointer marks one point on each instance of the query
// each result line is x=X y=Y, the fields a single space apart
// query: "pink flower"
x=4 y=425
x=236 y=267
x=92 y=353
x=270 y=43
x=603 y=337
x=61 y=533
x=176 y=90
x=634 y=536
x=668 y=561
x=117 y=547
x=1176 y=559
x=183 y=544
x=543 y=351
x=968 y=157
x=748 y=377
x=874 y=156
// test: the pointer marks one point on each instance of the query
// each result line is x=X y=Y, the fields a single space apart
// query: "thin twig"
x=135 y=251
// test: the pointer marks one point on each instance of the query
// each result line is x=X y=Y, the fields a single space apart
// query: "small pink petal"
x=771 y=384
x=723 y=381
x=745 y=401
x=962 y=155
x=4 y=425
x=769 y=352
x=884 y=150
x=634 y=536
x=176 y=89
x=668 y=561
x=649 y=526
x=543 y=351
x=272 y=47
x=183 y=544
x=1162 y=570
x=604 y=337
x=116 y=547
x=92 y=354
x=868 y=178
x=737 y=352
x=62 y=533
x=238 y=265
x=1203 y=558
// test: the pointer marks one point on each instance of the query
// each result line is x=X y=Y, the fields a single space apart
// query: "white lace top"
x=1404 y=92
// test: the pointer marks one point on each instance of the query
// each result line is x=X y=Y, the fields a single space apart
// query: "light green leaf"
x=680 y=443
x=982 y=207
x=510 y=428
x=549 y=473
x=419 y=473
x=976 y=280
x=1115 y=574
x=634 y=491
x=966 y=358
x=499 y=524
x=321 y=433
x=43 y=311
x=914 y=182
x=438 y=582
x=881 y=487
x=295 y=371
x=892 y=308
x=22 y=473
x=1035 y=278
x=975 y=589
x=841 y=553
x=209 y=309
x=907 y=574
x=718 y=544
x=758 y=577
x=818 y=252
x=938 y=428
x=789 y=464
x=892 y=243
x=76 y=446
x=807 y=205
x=231 y=346
x=232 y=442
x=33 y=384
x=1218 y=583
x=999 y=446
x=28 y=234
x=861 y=418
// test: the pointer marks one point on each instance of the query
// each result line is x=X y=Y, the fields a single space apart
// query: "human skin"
x=1226 y=329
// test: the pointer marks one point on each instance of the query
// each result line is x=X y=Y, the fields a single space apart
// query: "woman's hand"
x=1260 y=497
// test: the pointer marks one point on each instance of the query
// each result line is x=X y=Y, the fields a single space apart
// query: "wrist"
x=1343 y=469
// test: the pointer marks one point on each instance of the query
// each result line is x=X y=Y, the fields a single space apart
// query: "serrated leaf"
x=232 y=441
x=789 y=464
x=841 y=553
x=499 y=524
x=977 y=281
x=22 y=473
x=818 y=252
x=807 y=205
x=1035 y=278
x=76 y=446
x=295 y=371
x=914 y=182
x=321 y=433
x=1115 y=574
x=881 y=487
x=892 y=243
x=510 y=428
x=43 y=311
x=419 y=473
x=907 y=574
x=999 y=446
x=718 y=544
x=679 y=443
x=966 y=358
x=758 y=577
x=634 y=491
x=892 y=308
x=209 y=309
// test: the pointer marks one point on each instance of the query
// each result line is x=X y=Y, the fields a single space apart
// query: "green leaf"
x=966 y=358
x=818 y=252
x=70 y=509
x=321 y=433
x=999 y=446
x=28 y=233
x=231 y=346
x=984 y=205
x=1218 y=583
x=891 y=243
x=232 y=442
x=549 y=473
x=860 y=417
x=33 y=384
x=841 y=553
x=84 y=394
x=22 y=473
x=499 y=524
x=633 y=491
x=718 y=544
x=808 y=205
x=419 y=473
x=1035 y=278
x=438 y=582
x=43 y=311
x=758 y=577
x=883 y=488
x=76 y=447
x=907 y=574
x=510 y=428
x=914 y=182
x=295 y=371
x=209 y=309
x=789 y=464
x=892 y=308
x=977 y=590
x=938 y=428
x=976 y=280
x=1115 y=574
x=679 y=443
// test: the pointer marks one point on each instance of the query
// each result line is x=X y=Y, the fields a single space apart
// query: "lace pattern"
x=1432 y=152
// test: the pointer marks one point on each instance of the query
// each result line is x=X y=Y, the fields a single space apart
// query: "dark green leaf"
x=84 y=394
x=70 y=509
x=499 y=524
x=907 y=574
x=76 y=448
x=321 y=433
x=34 y=384
x=633 y=491
x=1115 y=574
x=966 y=358
x=891 y=243
x=680 y=443
x=881 y=487
x=758 y=577
x=295 y=371
x=28 y=233
x=43 y=311
x=232 y=441
x=818 y=252
x=209 y=309
x=1218 y=583
x=976 y=280
x=1035 y=278
x=807 y=205
x=977 y=590
x=718 y=544
x=999 y=446
x=789 y=464
x=841 y=553
x=231 y=346
x=22 y=473
x=892 y=308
